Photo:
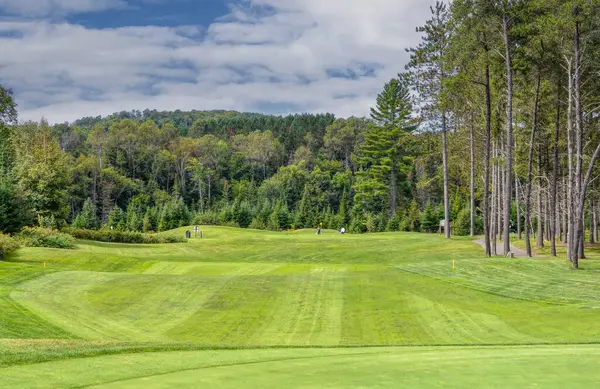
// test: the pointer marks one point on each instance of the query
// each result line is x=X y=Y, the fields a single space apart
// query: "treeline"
x=134 y=174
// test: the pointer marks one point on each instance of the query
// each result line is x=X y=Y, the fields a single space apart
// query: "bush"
x=115 y=236
x=46 y=237
x=7 y=245
x=207 y=218
x=358 y=226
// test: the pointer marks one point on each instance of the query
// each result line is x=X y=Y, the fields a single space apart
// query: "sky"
x=67 y=59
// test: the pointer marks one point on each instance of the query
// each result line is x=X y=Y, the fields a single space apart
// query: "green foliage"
x=429 y=220
x=14 y=211
x=412 y=221
x=462 y=224
x=7 y=245
x=87 y=218
x=116 y=236
x=395 y=223
x=382 y=156
x=116 y=219
x=46 y=237
x=243 y=215
x=42 y=170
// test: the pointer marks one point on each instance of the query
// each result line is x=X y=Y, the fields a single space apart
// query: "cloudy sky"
x=66 y=59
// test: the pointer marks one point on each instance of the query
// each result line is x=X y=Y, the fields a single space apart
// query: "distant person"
x=343 y=230
x=319 y=230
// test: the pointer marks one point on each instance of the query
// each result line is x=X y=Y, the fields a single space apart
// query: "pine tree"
x=87 y=218
x=116 y=219
x=382 y=154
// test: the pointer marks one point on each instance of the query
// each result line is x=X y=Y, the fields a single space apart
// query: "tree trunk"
x=596 y=224
x=528 y=226
x=486 y=179
x=553 y=195
x=592 y=221
x=472 y=145
x=579 y=195
x=493 y=224
x=581 y=203
x=208 y=190
x=394 y=191
x=570 y=190
x=501 y=175
x=509 y=135
x=540 y=217
x=446 y=194
x=518 y=204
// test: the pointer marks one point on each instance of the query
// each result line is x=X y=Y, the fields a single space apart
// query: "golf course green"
x=246 y=308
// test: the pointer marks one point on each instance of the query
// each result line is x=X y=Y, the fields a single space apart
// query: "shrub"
x=358 y=226
x=7 y=244
x=395 y=222
x=207 y=218
x=46 y=237
x=115 y=236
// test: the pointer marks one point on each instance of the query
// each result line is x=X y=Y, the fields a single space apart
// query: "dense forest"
x=492 y=127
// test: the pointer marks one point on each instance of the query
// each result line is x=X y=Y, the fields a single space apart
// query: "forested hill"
x=290 y=129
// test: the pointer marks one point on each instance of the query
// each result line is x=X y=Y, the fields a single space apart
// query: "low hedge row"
x=7 y=245
x=115 y=236
x=46 y=237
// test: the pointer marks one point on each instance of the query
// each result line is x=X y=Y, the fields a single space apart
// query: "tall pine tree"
x=381 y=157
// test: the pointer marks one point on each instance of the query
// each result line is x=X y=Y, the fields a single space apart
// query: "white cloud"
x=243 y=61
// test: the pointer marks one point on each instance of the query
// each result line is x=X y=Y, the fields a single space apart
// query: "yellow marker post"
x=453 y=264
x=44 y=264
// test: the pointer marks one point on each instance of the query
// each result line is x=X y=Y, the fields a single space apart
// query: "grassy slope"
x=249 y=288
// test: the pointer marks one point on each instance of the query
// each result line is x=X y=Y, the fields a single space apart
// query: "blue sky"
x=71 y=58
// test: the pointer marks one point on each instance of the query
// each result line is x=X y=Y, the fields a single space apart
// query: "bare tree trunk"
x=592 y=221
x=553 y=195
x=486 y=179
x=580 y=196
x=208 y=190
x=540 y=218
x=518 y=204
x=446 y=194
x=499 y=194
x=509 y=135
x=565 y=212
x=395 y=191
x=528 y=226
x=581 y=203
x=472 y=145
x=493 y=224
x=596 y=224
x=570 y=189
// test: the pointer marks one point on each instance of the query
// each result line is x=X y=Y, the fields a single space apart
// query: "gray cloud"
x=63 y=71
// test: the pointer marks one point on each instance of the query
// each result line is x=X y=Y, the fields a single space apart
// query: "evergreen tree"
x=382 y=156
x=116 y=219
x=429 y=220
x=87 y=218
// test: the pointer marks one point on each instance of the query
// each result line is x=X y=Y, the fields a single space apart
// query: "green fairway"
x=137 y=315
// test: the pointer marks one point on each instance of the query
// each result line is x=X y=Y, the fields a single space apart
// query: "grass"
x=261 y=308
